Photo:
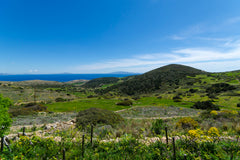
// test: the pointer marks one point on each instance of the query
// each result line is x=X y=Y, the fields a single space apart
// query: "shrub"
x=59 y=99
x=195 y=134
x=213 y=132
x=214 y=113
x=97 y=116
x=103 y=131
x=136 y=98
x=91 y=96
x=5 y=120
x=193 y=90
x=228 y=113
x=238 y=105
x=177 y=98
x=206 y=114
x=219 y=87
x=187 y=122
x=27 y=110
x=29 y=104
x=211 y=96
x=159 y=97
x=207 y=105
x=158 y=126
x=125 y=103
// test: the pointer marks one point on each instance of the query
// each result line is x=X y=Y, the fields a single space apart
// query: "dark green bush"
x=159 y=97
x=136 y=98
x=206 y=105
x=97 y=116
x=211 y=95
x=158 y=126
x=59 y=99
x=219 y=87
x=29 y=104
x=177 y=98
x=27 y=110
x=91 y=96
x=98 y=82
x=5 y=120
x=125 y=103
x=206 y=114
x=193 y=90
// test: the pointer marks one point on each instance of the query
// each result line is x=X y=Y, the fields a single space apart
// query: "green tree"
x=5 y=120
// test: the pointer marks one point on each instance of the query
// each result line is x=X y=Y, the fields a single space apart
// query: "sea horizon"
x=59 y=77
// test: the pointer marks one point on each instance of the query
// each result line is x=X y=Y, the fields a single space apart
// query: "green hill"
x=163 y=78
x=99 y=82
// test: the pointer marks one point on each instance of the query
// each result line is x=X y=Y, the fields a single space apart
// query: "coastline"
x=58 y=77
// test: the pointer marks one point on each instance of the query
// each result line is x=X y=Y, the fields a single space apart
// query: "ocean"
x=58 y=77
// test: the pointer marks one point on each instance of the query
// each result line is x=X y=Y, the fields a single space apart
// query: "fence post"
x=185 y=157
x=166 y=135
x=23 y=131
x=231 y=158
x=174 y=148
x=2 y=143
x=64 y=158
x=83 y=145
x=92 y=135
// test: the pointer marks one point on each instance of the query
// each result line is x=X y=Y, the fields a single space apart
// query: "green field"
x=110 y=104
x=83 y=104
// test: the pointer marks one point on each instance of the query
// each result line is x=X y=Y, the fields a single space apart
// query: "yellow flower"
x=195 y=133
x=213 y=132
x=214 y=113
x=186 y=122
x=234 y=112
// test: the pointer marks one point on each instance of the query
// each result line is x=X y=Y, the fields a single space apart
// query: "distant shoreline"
x=58 y=77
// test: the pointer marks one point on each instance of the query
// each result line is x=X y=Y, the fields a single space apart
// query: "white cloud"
x=177 y=37
x=209 y=59
x=233 y=20
x=218 y=66
x=189 y=32
x=33 y=70
x=194 y=31
x=215 y=39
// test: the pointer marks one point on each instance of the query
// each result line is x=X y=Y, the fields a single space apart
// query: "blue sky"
x=101 y=36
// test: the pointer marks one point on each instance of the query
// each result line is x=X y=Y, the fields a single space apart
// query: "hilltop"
x=166 y=77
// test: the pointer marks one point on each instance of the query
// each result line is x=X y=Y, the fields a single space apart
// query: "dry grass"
x=157 y=112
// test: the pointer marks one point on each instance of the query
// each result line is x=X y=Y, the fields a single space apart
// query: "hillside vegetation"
x=164 y=78
x=99 y=82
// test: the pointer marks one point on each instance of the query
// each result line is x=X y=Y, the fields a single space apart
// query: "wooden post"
x=166 y=135
x=34 y=96
x=174 y=148
x=231 y=158
x=2 y=143
x=92 y=135
x=23 y=131
x=185 y=157
x=64 y=158
x=83 y=145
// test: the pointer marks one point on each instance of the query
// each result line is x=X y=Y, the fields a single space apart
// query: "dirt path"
x=159 y=117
